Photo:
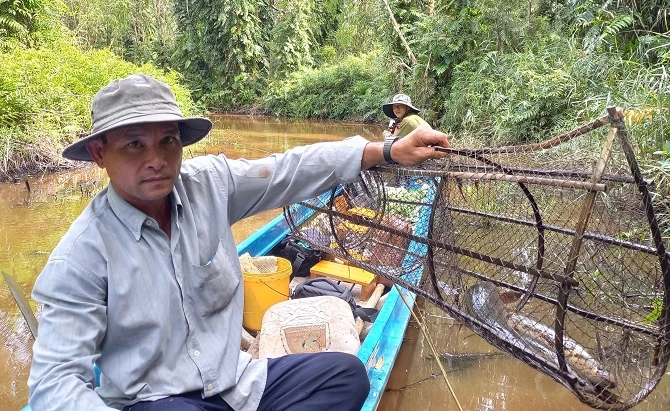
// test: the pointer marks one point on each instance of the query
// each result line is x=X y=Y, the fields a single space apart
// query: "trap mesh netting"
x=551 y=252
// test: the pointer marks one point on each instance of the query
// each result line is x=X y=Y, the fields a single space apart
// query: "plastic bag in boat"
x=300 y=254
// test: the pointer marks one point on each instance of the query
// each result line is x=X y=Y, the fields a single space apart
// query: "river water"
x=35 y=215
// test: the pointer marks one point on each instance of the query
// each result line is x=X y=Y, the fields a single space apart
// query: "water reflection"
x=35 y=216
x=482 y=377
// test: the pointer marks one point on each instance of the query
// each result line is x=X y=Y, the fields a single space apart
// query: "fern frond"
x=620 y=22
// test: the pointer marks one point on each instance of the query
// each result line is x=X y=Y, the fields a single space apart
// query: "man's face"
x=399 y=110
x=142 y=161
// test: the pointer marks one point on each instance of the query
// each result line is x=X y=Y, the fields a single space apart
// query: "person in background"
x=404 y=116
x=147 y=284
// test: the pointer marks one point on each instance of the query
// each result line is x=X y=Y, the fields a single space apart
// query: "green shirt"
x=409 y=123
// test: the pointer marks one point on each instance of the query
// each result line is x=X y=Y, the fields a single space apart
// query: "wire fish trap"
x=552 y=252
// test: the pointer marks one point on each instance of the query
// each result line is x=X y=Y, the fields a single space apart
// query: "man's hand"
x=413 y=149
x=417 y=146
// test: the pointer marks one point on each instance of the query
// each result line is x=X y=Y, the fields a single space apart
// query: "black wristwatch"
x=388 y=142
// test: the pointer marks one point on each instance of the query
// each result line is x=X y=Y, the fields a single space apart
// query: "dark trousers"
x=297 y=382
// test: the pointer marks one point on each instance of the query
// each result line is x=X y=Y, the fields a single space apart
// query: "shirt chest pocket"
x=215 y=283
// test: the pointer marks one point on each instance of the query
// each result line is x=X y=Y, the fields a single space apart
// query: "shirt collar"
x=176 y=200
x=130 y=216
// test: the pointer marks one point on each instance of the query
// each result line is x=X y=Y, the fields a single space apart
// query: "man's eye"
x=171 y=139
x=134 y=144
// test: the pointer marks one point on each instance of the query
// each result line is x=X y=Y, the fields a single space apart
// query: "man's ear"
x=95 y=150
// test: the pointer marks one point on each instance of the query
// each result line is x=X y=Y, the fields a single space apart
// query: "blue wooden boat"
x=380 y=348
x=382 y=344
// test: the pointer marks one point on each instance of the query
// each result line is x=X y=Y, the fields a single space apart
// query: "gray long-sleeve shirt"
x=162 y=315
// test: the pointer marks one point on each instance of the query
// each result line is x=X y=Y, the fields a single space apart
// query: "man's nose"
x=155 y=157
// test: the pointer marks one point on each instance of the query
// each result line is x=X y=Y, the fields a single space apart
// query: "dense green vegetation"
x=488 y=72
x=45 y=100
x=54 y=57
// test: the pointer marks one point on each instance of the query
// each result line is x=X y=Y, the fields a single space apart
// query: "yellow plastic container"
x=261 y=291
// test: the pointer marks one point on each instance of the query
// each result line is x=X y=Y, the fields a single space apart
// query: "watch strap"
x=388 y=142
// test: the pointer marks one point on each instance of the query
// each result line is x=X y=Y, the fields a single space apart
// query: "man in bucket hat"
x=146 y=282
x=404 y=116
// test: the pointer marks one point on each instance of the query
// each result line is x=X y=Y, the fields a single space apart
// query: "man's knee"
x=353 y=374
x=361 y=384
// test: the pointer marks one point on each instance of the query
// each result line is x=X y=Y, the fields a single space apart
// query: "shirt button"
x=196 y=352
x=210 y=386
x=148 y=222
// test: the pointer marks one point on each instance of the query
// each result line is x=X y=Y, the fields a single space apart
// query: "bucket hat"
x=398 y=99
x=133 y=100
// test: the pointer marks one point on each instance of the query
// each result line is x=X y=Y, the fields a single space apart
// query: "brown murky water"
x=32 y=222
x=489 y=381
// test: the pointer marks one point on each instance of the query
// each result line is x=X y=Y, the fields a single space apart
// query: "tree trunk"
x=396 y=27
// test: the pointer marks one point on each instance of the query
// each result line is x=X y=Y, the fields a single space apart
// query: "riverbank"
x=41 y=157
x=30 y=161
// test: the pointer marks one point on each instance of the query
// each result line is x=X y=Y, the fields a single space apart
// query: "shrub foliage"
x=45 y=99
